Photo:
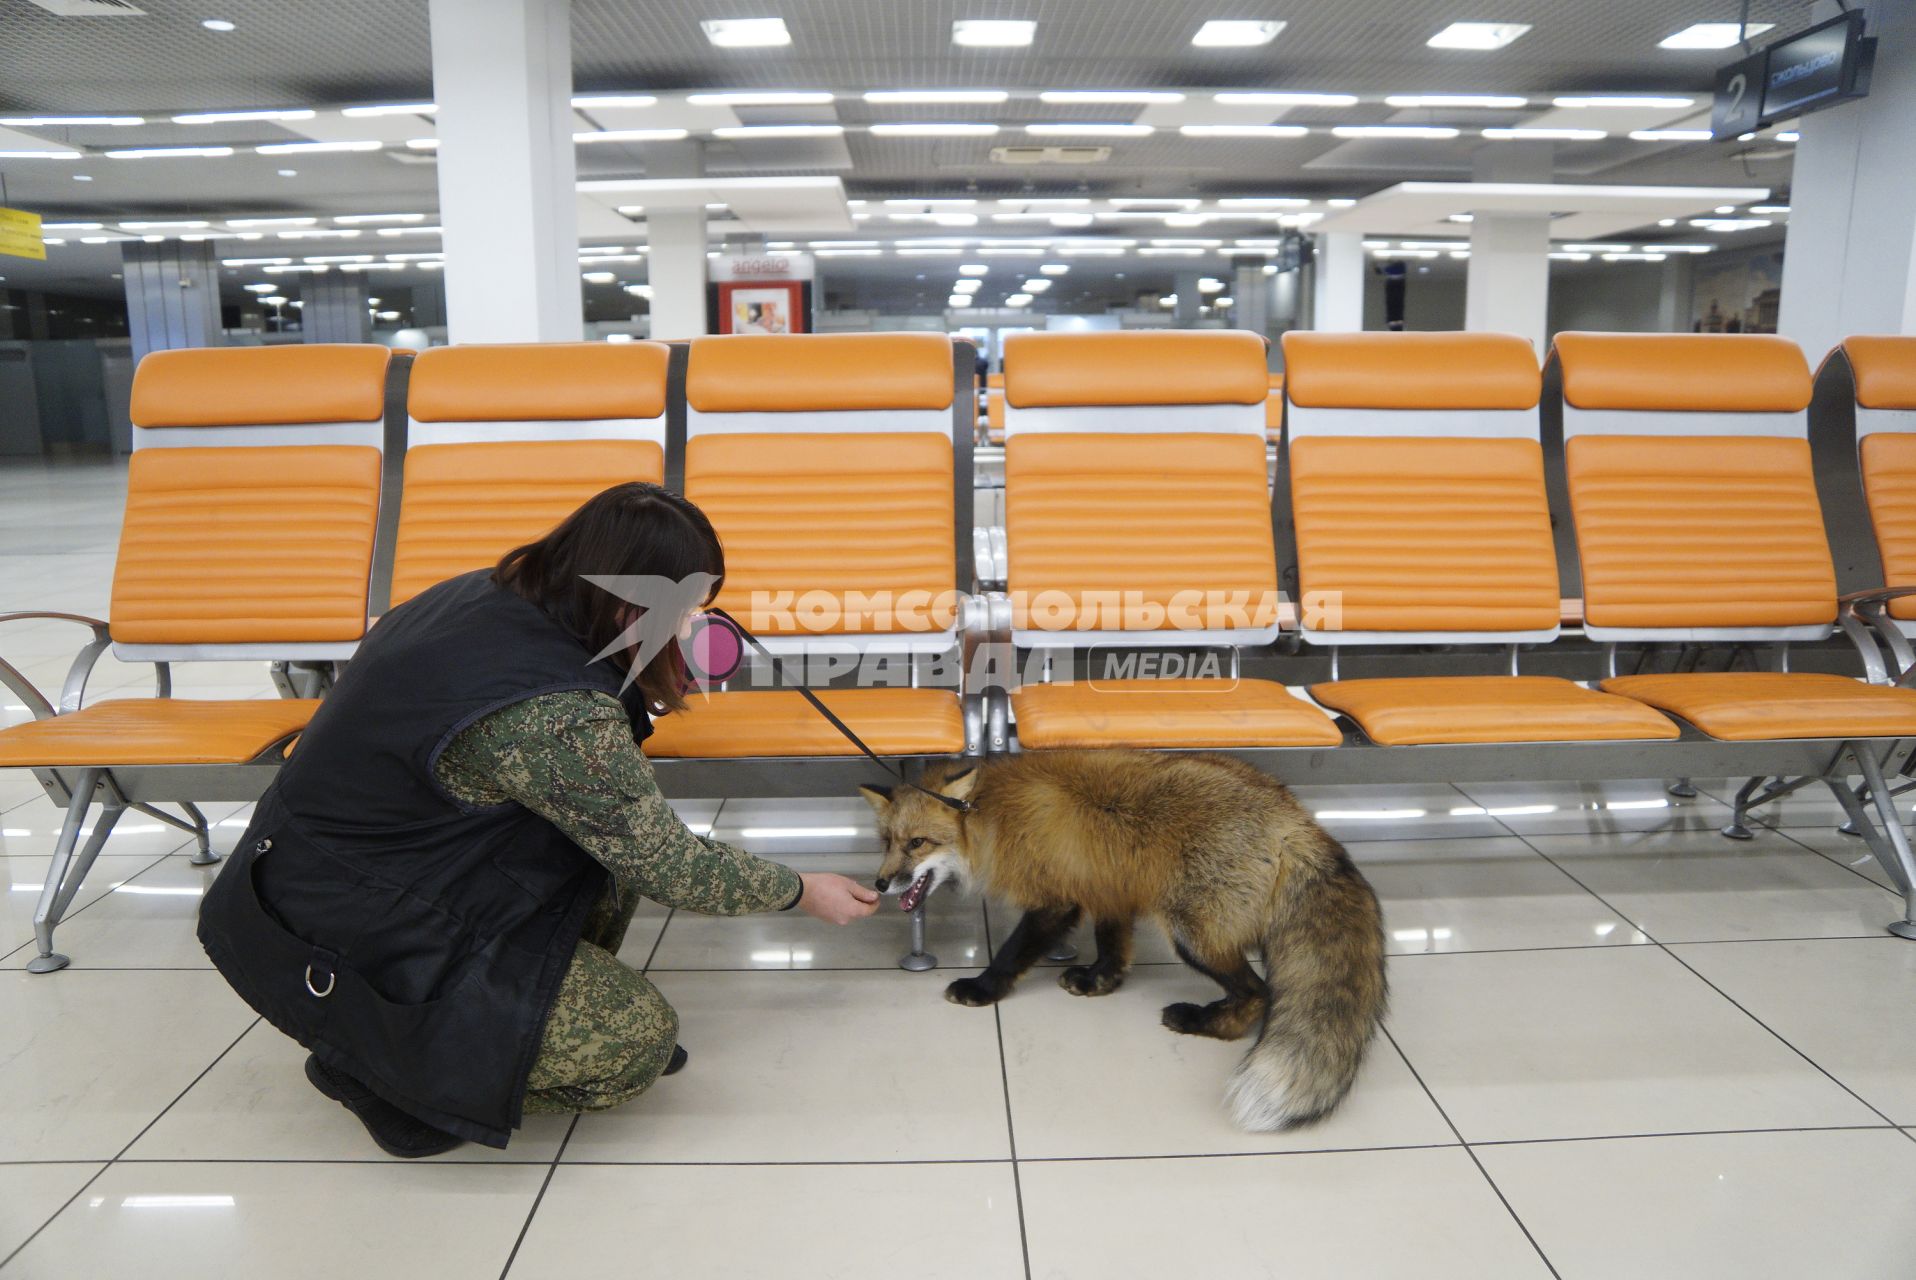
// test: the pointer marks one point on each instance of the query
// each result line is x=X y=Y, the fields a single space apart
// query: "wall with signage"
x=761 y=293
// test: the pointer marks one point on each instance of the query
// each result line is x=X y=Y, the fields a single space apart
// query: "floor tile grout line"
x=658 y=941
x=539 y=1199
x=1836 y=861
x=1450 y=1124
x=1734 y=1003
x=144 y=1129
x=1684 y=1133
x=1004 y=1080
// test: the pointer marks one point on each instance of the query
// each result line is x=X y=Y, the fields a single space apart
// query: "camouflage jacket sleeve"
x=570 y=758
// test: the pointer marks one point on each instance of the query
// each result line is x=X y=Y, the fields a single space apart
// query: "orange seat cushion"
x=246 y=545
x=137 y=731
x=1169 y=713
x=1426 y=709
x=1889 y=480
x=465 y=505
x=778 y=722
x=1139 y=532
x=1699 y=531
x=1423 y=534
x=1759 y=705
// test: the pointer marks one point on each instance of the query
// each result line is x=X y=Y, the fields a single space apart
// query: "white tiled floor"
x=1619 y=1045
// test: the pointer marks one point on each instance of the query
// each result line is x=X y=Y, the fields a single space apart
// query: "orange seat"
x=155 y=731
x=1883 y=379
x=893 y=722
x=1760 y=705
x=1169 y=713
x=1410 y=711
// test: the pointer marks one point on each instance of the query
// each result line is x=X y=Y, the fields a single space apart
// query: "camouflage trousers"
x=610 y=1032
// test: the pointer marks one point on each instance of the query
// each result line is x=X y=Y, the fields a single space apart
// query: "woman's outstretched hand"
x=836 y=899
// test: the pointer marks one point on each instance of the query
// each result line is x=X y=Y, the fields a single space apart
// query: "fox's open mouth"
x=915 y=891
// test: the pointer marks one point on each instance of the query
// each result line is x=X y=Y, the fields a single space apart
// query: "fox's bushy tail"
x=1324 y=967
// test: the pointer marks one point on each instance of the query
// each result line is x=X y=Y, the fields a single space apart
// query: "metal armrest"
x=1875 y=595
x=73 y=691
x=1869 y=607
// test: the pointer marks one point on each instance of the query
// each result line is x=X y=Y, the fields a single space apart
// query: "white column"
x=1508 y=286
x=676 y=247
x=502 y=76
x=1849 y=259
x=1338 y=296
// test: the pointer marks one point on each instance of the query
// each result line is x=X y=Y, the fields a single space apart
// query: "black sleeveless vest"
x=402 y=936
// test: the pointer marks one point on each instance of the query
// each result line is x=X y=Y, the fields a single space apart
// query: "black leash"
x=778 y=669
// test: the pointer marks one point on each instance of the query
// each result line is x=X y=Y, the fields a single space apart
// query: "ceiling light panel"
x=922 y=96
x=993 y=33
x=1479 y=36
x=1235 y=33
x=746 y=33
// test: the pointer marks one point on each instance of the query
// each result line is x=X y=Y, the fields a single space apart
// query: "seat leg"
x=1737 y=829
x=1062 y=951
x=194 y=822
x=1886 y=836
x=67 y=869
x=917 y=960
x=1682 y=789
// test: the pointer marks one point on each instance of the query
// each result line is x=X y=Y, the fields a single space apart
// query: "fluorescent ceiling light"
x=319 y=234
x=1088 y=130
x=230 y=117
x=1055 y=268
x=1036 y=286
x=371 y=266
x=1755 y=208
x=756 y=98
x=1187 y=244
x=1048 y=202
x=1477 y=35
x=339 y=257
x=1633 y=257
x=1729 y=224
x=1679 y=248
x=937 y=95
x=1670 y=135
x=1243 y=130
x=217 y=24
x=949 y=202
x=58 y=155
x=1260 y=98
x=959 y=300
x=298 y=148
x=1393 y=131
x=780 y=131
x=272 y=222
x=1712 y=35
x=45 y=122
x=1018 y=300
x=968 y=284
x=927 y=253
x=1596 y=248
x=1788 y=135
x=1105 y=96
x=1404 y=253
x=402 y=231
x=70 y=226
x=351 y=218
x=1561 y=135
x=1091 y=250
x=1234 y=33
x=848 y=253
x=1499 y=101
x=746 y=33
x=1070 y=219
x=413 y=257
x=166 y=153
x=399 y=109
x=995 y=33
x=261 y=288
x=973 y=269
x=844 y=244
x=599 y=277
x=1262 y=202
x=588 y=101
x=1622 y=100
x=933 y=130
x=1163 y=252
x=178 y=225
x=254 y=262
x=1567 y=256
x=630 y=135
x=422 y=144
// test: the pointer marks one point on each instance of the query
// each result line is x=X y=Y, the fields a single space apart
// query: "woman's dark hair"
x=632 y=530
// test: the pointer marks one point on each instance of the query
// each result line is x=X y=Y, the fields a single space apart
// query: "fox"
x=1221 y=855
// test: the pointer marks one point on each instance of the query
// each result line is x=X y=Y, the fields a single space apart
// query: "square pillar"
x=172 y=294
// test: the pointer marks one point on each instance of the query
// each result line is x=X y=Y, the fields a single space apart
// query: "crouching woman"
x=432 y=894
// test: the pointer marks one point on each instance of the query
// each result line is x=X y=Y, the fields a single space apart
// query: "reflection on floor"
x=1619 y=1046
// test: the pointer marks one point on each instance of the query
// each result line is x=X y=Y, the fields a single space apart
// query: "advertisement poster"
x=1737 y=296
x=761 y=307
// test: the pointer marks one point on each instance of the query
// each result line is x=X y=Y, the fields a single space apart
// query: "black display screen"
x=1811 y=69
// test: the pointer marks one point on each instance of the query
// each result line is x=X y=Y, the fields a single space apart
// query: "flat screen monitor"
x=1814 y=69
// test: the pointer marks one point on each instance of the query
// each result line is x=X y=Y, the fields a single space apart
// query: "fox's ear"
x=959 y=786
x=879 y=798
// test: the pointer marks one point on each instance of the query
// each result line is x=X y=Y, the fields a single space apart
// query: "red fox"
x=1225 y=859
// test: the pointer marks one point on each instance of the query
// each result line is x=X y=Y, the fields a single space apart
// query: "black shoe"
x=679 y=1059
x=397 y=1133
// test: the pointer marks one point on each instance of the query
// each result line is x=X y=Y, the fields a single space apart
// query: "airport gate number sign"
x=1738 y=108
x=20 y=235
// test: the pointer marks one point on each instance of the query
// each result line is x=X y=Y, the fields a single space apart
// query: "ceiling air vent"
x=1050 y=155
x=90 y=8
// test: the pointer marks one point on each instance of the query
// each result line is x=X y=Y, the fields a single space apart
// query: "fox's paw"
x=1186 y=1019
x=972 y=993
x=1089 y=980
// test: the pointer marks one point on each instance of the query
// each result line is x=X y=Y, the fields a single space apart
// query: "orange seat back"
x=252 y=500
x=1417 y=488
x=826 y=463
x=1883 y=370
x=504 y=442
x=1135 y=484
x=1690 y=481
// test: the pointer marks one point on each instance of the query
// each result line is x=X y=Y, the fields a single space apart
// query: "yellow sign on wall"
x=20 y=235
